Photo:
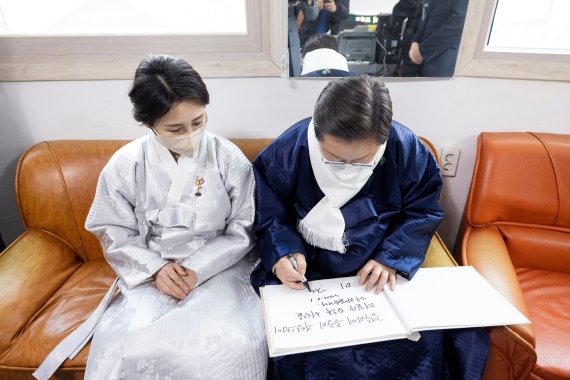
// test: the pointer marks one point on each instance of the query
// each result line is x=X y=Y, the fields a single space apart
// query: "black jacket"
x=442 y=27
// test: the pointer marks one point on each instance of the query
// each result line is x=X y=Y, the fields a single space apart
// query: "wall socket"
x=449 y=160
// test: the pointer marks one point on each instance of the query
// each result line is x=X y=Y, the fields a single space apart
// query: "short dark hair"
x=354 y=108
x=319 y=41
x=162 y=81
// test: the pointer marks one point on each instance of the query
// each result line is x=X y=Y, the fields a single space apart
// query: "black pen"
x=294 y=263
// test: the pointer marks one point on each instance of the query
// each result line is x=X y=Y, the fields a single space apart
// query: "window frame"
x=258 y=53
x=474 y=61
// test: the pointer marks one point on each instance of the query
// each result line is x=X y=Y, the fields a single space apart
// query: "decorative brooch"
x=198 y=182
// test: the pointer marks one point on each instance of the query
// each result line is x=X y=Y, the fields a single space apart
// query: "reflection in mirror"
x=391 y=38
x=530 y=26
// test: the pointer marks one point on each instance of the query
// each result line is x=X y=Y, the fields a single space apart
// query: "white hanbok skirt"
x=215 y=333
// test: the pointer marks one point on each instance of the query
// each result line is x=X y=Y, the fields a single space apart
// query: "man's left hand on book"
x=375 y=275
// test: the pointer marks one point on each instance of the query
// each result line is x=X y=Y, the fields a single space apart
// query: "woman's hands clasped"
x=376 y=275
x=175 y=280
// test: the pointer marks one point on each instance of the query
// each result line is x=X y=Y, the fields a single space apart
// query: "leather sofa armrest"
x=32 y=269
x=510 y=357
x=485 y=249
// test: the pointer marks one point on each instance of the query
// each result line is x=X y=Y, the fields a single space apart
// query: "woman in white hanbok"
x=174 y=211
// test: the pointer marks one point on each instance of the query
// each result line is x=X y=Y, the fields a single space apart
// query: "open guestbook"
x=339 y=312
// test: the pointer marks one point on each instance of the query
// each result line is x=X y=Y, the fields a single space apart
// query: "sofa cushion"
x=33 y=269
x=59 y=316
x=505 y=186
x=546 y=294
x=55 y=186
x=537 y=247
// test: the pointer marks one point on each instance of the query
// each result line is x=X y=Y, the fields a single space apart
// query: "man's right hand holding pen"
x=285 y=271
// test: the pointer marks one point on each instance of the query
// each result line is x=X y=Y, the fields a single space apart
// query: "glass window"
x=122 y=17
x=525 y=39
x=531 y=26
x=106 y=39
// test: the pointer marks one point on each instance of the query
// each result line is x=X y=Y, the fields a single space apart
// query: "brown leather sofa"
x=53 y=276
x=517 y=235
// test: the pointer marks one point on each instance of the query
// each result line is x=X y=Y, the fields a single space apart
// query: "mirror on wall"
x=389 y=38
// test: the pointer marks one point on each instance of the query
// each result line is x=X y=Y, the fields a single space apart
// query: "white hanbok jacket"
x=150 y=210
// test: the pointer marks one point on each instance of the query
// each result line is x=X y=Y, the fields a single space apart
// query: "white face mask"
x=185 y=145
x=349 y=172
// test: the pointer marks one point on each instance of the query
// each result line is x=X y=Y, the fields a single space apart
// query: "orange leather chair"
x=517 y=235
x=54 y=275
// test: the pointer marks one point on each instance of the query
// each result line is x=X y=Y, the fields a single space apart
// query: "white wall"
x=449 y=112
x=371 y=7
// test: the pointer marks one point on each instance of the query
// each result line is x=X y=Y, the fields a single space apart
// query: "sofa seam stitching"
x=62 y=178
x=523 y=225
x=556 y=174
x=17 y=190
x=474 y=178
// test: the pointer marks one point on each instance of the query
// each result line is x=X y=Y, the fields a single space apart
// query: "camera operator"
x=331 y=13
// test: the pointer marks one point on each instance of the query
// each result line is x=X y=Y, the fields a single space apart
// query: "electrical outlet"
x=449 y=160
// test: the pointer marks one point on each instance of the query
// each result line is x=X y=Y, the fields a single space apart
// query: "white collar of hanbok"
x=181 y=171
x=324 y=225
x=320 y=59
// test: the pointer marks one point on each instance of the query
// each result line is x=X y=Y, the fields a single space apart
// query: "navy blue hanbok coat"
x=391 y=220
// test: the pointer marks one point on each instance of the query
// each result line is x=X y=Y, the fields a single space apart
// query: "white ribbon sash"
x=74 y=342
x=324 y=225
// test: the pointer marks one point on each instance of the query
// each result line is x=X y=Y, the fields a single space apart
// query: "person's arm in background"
x=309 y=9
x=447 y=35
x=414 y=52
x=339 y=10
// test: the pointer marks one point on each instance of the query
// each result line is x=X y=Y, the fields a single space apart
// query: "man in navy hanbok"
x=351 y=192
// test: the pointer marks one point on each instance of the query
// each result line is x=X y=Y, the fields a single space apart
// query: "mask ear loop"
x=376 y=156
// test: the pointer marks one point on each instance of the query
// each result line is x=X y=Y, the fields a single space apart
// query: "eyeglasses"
x=342 y=164
x=353 y=164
